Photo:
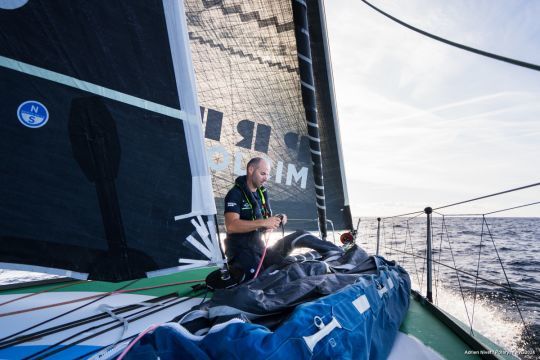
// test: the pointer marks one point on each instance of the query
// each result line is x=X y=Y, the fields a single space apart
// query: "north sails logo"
x=32 y=114
x=12 y=4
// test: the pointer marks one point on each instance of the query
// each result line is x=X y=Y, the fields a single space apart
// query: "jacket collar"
x=241 y=182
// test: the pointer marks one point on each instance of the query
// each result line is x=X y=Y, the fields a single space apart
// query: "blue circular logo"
x=32 y=114
x=12 y=4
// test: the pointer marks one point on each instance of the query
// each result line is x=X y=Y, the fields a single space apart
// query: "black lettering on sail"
x=245 y=129
x=262 y=138
x=302 y=149
x=291 y=140
x=214 y=121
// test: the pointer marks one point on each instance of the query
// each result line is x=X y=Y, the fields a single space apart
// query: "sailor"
x=248 y=215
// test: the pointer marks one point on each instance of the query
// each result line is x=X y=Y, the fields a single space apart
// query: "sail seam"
x=93 y=88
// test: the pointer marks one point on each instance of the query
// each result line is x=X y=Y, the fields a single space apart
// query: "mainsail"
x=246 y=63
x=104 y=172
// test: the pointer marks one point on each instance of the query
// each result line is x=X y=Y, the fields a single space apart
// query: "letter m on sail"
x=297 y=175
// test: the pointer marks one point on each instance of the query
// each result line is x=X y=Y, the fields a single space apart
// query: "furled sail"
x=104 y=173
x=248 y=77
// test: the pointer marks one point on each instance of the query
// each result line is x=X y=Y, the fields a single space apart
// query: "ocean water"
x=500 y=251
x=458 y=243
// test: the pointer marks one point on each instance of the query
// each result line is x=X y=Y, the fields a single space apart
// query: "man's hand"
x=272 y=223
x=234 y=224
x=283 y=218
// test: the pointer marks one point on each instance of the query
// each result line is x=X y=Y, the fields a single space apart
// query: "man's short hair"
x=254 y=162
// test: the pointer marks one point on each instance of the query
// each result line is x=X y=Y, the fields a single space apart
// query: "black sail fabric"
x=100 y=174
x=246 y=63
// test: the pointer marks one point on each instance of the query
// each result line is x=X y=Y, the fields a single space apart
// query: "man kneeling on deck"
x=248 y=215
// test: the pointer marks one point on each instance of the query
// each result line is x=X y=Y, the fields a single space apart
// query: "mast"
x=301 y=31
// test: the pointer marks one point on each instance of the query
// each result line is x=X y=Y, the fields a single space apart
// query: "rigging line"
x=512 y=208
x=175 y=319
x=99 y=349
x=438 y=213
x=519 y=292
x=384 y=234
x=63 y=314
x=424 y=266
x=76 y=323
x=458 y=45
x=506 y=277
x=67 y=346
x=487 y=196
x=41 y=292
x=205 y=295
x=478 y=198
x=492 y=212
x=457 y=274
x=132 y=343
x=98 y=295
x=414 y=257
x=477 y=273
x=405 y=244
x=438 y=266
x=412 y=213
x=394 y=236
x=60 y=349
x=58 y=344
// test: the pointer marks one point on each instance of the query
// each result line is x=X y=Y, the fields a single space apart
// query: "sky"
x=426 y=124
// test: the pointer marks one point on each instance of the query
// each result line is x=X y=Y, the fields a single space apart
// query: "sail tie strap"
x=109 y=310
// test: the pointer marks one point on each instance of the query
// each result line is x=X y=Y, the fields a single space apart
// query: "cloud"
x=419 y=117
